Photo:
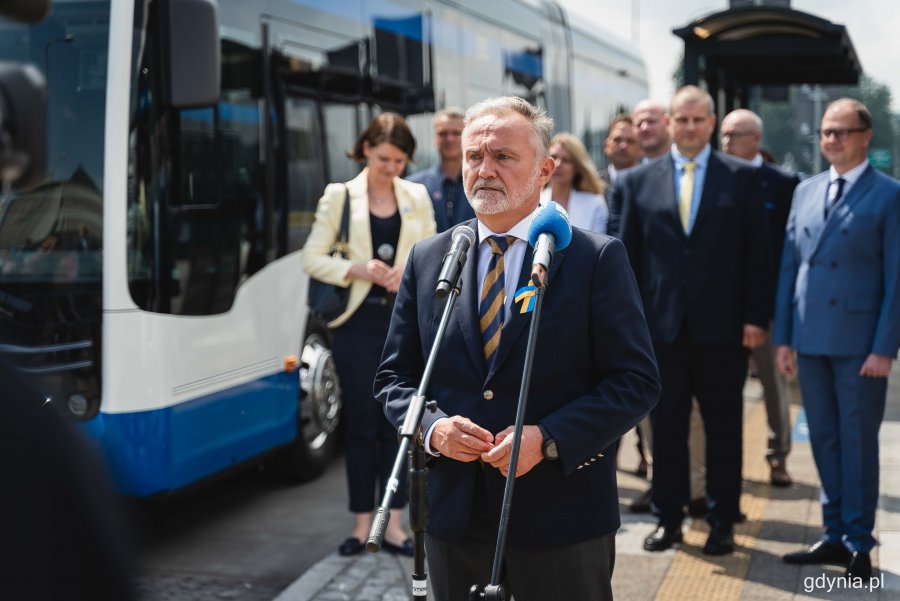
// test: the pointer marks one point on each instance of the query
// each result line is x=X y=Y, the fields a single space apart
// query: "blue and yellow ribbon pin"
x=525 y=295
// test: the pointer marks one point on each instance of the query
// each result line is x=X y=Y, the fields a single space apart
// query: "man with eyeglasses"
x=838 y=307
x=741 y=134
x=444 y=180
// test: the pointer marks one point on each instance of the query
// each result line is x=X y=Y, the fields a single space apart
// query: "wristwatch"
x=548 y=447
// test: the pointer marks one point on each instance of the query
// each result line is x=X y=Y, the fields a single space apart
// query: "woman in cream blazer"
x=387 y=216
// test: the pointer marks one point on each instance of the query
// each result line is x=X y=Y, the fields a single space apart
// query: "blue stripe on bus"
x=409 y=27
x=156 y=451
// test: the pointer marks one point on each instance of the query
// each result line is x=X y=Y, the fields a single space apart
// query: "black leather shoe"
x=720 y=542
x=407 y=548
x=642 y=503
x=351 y=546
x=860 y=566
x=663 y=538
x=820 y=552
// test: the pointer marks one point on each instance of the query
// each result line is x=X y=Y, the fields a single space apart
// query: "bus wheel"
x=319 y=411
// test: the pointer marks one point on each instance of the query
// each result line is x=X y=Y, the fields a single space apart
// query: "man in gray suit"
x=838 y=306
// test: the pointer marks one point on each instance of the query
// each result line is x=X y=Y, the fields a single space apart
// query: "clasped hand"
x=459 y=438
x=380 y=273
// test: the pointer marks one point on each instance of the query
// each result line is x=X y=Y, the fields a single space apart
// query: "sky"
x=872 y=25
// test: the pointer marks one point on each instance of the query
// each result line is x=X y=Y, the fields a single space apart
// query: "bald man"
x=651 y=124
x=741 y=133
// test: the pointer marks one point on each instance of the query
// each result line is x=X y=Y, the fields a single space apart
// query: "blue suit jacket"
x=718 y=278
x=433 y=179
x=838 y=284
x=594 y=378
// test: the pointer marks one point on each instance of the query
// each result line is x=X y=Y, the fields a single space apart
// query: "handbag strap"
x=340 y=244
x=345 y=218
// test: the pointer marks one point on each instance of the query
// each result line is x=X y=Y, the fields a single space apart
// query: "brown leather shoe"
x=698 y=508
x=778 y=474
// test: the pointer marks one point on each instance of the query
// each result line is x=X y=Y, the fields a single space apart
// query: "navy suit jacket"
x=594 y=378
x=839 y=286
x=433 y=180
x=713 y=281
x=776 y=190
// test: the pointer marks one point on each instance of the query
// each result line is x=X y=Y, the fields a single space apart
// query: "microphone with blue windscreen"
x=549 y=232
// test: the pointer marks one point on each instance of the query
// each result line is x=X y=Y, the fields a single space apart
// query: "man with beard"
x=593 y=379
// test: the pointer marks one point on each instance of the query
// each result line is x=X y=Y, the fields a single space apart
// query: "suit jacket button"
x=811 y=263
x=832 y=301
x=488 y=395
x=834 y=264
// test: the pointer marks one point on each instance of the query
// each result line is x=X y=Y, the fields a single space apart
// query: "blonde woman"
x=576 y=185
x=387 y=216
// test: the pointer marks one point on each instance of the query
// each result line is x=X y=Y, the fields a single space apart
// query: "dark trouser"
x=371 y=441
x=714 y=374
x=581 y=571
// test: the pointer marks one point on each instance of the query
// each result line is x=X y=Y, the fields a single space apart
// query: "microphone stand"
x=409 y=432
x=494 y=591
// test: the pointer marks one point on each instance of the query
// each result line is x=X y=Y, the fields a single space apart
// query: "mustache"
x=488 y=183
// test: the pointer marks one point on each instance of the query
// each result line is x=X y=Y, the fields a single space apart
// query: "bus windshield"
x=53 y=233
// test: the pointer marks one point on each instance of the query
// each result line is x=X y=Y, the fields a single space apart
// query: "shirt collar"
x=439 y=171
x=701 y=159
x=850 y=176
x=519 y=230
x=757 y=161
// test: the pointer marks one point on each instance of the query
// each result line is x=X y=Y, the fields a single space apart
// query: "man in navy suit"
x=594 y=378
x=695 y=237
x=741 y=136
x=838 y=307
x=444 y=180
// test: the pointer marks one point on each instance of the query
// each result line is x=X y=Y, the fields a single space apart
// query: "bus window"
x=196 y=205
x=341 y=131
x=305 y=168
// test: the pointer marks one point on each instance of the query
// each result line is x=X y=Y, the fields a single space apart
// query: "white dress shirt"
x=512 y=269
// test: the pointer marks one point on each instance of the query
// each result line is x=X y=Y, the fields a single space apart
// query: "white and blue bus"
x=149 y=275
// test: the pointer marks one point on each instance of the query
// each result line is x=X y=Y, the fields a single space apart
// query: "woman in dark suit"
x=387 y=216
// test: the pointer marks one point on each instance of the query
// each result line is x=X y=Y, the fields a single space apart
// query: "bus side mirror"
x=23 y=125
x=192 y=55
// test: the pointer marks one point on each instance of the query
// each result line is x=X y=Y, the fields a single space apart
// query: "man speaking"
x=594 y=378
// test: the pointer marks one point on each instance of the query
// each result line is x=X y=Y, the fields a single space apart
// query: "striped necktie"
x=492 y=297
x=686 y=195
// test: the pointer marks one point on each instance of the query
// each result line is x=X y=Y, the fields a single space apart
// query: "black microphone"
x=549 y=232
x=451 y=269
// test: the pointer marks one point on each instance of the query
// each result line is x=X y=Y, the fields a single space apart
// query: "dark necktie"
x=492 y=297
x=837 y=196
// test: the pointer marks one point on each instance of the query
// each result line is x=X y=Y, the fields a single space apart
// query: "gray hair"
x=541 y=123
